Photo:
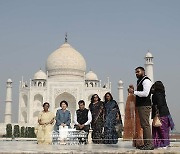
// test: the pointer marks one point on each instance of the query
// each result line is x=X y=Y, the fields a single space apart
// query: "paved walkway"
x=30 y=147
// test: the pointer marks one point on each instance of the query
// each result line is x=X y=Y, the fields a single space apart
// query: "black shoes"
x=146 y=147
x=139 y=147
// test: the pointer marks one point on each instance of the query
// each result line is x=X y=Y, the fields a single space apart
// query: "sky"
x=112 y=35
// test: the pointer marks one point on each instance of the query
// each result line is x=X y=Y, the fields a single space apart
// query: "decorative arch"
x=35 y=116
x=38 y=101
x=89 y=97
x=39 y=84
x=24 y=116
x=24 y=101
x=91 y=83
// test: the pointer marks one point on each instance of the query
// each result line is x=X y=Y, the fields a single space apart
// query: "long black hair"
x=159 y=87
x=108 y=93
x=92 y=98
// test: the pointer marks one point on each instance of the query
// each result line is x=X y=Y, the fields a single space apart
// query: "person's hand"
x=63 y=124
x=117 y=117
x=46 y=123
x=40 y=122
x=82 y=126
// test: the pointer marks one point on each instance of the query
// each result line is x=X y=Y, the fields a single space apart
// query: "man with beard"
x=143 y=104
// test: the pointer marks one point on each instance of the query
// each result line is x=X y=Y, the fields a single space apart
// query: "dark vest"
x=82 y=116
x=142 y=101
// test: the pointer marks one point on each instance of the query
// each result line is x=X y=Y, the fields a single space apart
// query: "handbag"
x=156 y=120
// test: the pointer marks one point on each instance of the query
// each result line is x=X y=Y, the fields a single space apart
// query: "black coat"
x=159 y=103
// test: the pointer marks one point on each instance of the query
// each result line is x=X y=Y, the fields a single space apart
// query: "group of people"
x=147 y=98
x=101 y=116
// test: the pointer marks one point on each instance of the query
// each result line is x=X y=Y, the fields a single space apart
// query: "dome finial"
x=66 y=37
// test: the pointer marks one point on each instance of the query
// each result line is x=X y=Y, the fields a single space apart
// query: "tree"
x=33 y=133
x=26 y=132
x=9 y=130
x=22 y=131
x=16 y=132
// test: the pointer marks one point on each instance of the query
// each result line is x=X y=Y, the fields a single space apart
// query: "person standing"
x=161 y=134
x=112 y=118
x=143 y=104
x=97 y=110
x=132 y=126
x=45 y=125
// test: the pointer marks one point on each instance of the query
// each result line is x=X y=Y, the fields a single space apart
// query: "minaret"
x=121 y=100
x=149 y=66
x=8 y=101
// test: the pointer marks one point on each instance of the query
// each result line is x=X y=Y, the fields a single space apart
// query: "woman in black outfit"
x=160 y=134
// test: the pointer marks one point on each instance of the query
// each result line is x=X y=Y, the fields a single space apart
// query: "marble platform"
x=30 y=147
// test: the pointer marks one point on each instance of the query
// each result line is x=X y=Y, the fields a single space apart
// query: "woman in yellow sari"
x=45 y=125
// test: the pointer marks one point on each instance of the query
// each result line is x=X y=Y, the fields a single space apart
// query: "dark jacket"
x=159 y=104
x=82 y=116
x=63 y=117
x=142 y=101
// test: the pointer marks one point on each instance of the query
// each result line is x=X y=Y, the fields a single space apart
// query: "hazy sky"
x=112 y=35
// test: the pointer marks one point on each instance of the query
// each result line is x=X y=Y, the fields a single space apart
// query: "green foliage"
x=33 y=133
x=26 y=132
x=9 y=130
x=22 y=131
x=16 y=132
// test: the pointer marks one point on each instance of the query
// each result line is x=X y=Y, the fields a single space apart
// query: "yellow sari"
x=44 y=132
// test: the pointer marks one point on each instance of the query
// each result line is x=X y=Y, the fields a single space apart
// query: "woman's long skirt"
x=161 y=134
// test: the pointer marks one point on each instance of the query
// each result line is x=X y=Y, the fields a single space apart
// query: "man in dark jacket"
x=82 y=118
x=143 y=104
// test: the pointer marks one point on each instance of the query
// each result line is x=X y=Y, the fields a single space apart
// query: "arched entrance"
x=23 y=109
x=71 y=103
x=24 y=115
x=37 y=107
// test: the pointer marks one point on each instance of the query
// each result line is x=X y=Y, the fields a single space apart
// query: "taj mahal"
x=65 y=78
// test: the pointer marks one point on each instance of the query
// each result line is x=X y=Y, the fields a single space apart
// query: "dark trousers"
x=144 y=113
x=85 y=128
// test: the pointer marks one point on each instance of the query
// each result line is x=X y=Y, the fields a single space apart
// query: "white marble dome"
x=66 y=61
x=91 y=76
x=120 y=83
x=9 y=81
x=40 y=75
x=148 y=55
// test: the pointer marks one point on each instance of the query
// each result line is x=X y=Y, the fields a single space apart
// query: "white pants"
x=63 y=132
